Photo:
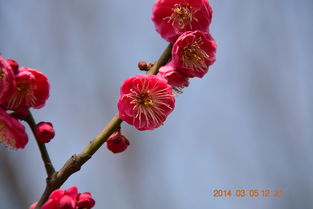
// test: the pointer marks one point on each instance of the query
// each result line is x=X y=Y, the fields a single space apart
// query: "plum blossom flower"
x=173 y=76
x=32 y=90
x=67 y=202
x=193 y=53
x=117 y=142
x=85 y=200
x=7 y=81
x=12 y=132
x=174 y=17
x=145 y=101
x=61 y=199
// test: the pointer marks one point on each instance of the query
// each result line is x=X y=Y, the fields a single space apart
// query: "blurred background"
x=248 y=124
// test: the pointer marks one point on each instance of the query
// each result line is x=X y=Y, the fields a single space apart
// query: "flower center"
x=143 y=99
x=22 y=87
x=193 y=56
x=181 y=16
x=149 y=103
x=117 y=140
x=24 y=95
x=146 y=100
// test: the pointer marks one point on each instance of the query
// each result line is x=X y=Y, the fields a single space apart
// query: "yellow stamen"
x=182 y=16
x=194 y=56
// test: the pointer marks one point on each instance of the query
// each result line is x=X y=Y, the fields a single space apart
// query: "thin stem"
x=108 y=130
x=76 y=161
x=42 y=147
x=163 y=59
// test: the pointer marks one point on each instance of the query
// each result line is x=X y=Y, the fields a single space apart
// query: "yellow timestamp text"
x=247 y=193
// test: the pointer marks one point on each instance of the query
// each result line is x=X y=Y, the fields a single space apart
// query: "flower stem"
x=42 y=147
x=165 y=56
x=76 y=161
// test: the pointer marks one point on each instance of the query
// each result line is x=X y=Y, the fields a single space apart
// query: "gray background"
x=246 y=125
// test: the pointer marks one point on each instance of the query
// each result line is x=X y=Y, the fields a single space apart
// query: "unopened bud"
x=67 y=202
x=85 y=200
x=117 y=142
x=14 y=65
x=142 y=65
x=44 y=132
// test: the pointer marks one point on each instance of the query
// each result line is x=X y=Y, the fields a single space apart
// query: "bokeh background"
x=248 y=124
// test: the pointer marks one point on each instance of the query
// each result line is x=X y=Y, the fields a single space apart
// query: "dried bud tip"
x=142 y=65
x=44 y=132
x=14 y=65
x=151 y=65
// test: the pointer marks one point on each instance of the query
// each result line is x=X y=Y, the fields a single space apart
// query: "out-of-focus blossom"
x=12 y=132
x=67 y=199
x=85 y=200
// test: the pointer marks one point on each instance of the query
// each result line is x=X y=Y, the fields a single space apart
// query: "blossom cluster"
x=185 y=23
x=68 y=199
x=146 y=100
x=20 y=89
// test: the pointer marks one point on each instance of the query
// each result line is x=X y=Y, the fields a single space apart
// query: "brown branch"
x=42 y=147
x=76 y=161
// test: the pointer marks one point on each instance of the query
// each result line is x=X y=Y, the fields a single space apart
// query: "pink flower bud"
x=145 y=101
x=67 y=199
x=14 y=65
x=67 y=202
x=85 y=200
x=12 y=132
x=117 y=142
x=72 y=192
x=51 y=204
x=57 y=194
x=44 y=132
